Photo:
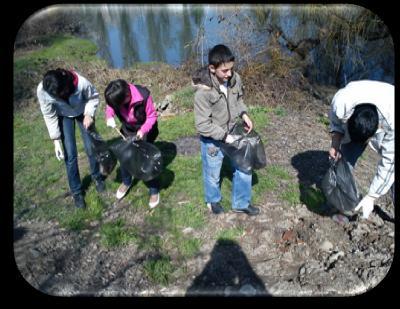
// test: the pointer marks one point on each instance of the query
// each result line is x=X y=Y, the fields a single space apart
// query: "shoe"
x=100 y=185
x=79 y=201
x=216 y=208
x=341 y=219
x=122 y=190
x=250 y=210
x=154 y=204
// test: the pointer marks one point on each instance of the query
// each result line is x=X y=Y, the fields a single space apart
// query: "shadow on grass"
x=19 y=232
x=228 y=273
x=311 y=166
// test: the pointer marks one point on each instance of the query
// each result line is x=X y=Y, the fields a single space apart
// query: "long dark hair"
x=116 y=93
x=59 y=83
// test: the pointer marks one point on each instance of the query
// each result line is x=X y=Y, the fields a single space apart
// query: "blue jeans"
x=212 y=157
x=352 y=151
x=153 y=185
x=67 y=126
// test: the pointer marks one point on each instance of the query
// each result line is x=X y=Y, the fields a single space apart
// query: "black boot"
x=216 y=208
x=79 y=201
x=100 y=185
x=250 y=210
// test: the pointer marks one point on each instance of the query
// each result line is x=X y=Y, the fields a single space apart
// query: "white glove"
x=58 y=149
x=229 y=139
x=367 y=205
x=111 y=123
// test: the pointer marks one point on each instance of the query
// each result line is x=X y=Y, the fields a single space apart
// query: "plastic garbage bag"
x=247 y=151
x=141 y=159
x=102 y=153
x=340 y=188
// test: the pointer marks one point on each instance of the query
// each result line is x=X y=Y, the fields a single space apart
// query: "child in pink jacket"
x=134 y=107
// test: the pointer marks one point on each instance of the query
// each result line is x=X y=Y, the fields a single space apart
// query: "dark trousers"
x=67 y=126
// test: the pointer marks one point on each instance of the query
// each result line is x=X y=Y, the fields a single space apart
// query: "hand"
x=139 y=135
x=334 y=154
x=58 y=149
x=229 y=139
x=111 y=123
x=87 y=121
x=367 y=205
x=249 y=124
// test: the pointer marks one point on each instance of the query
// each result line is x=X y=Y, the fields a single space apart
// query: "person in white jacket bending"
x=66 y=98
x=363 y=113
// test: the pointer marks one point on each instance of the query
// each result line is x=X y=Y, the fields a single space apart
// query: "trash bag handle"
x=124 y=138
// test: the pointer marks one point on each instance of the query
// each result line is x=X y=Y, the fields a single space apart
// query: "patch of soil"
x=188 y=146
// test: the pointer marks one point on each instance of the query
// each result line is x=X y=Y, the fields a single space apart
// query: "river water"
x=127 y=34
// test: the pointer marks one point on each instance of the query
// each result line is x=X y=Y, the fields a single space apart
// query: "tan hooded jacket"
x=214 y=113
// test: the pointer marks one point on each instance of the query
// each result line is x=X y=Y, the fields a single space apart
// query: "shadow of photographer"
x=228 y=273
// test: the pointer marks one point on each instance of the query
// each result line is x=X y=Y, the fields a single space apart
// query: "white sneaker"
x=122 y=190
x=154 y=204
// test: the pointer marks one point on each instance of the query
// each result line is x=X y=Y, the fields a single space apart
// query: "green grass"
x=59 y=47
x=230 y=234
x=291 y=194
x=276 y=171
x=78 y=219
x=324 y=120
x=268 y=181
x=151 y=243
x=259 y=116
x=187 y=246
x=176 y=127
x=115 y=234
x=184 y=98
x=159 y=269
x=313 y=198
x=280 y=111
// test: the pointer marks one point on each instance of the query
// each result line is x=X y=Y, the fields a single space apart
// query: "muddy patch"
x=188 y=146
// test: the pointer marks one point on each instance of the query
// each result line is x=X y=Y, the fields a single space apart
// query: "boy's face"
x=223 y=72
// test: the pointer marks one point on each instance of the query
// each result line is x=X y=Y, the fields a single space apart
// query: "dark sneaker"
x=251 y=210
x=216 y=208
x=100 y=185
x=79 y=201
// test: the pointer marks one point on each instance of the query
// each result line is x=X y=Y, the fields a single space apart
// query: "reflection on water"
x=128 y=34
x=173 y=33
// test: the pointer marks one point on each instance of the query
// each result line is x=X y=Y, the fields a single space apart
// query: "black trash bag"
x=141 y=159
x=102 y=153
x=247 y=151
x=340 y=188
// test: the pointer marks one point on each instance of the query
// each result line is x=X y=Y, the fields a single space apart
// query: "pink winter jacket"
x=127 y=113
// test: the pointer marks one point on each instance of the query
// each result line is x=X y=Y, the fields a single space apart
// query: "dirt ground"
x=285 y=251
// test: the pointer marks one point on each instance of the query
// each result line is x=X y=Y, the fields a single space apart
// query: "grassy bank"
x=41 y=188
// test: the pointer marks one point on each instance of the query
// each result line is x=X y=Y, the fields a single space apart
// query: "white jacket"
x=85 y=93
x=382 y=96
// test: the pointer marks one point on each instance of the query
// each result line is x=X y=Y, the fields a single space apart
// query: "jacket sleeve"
x=49 y=113
x=202 y=117
x=384 y=177
x=151 y=116
x=335 y=124
x=109 y=112
x=92 y=96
